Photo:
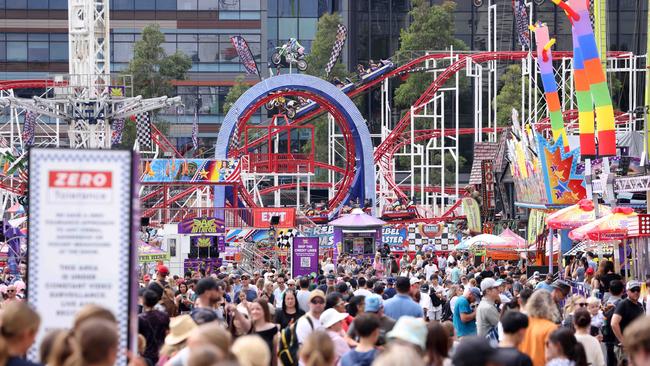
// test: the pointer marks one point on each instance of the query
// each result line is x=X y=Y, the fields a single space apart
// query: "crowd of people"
x=426 y=310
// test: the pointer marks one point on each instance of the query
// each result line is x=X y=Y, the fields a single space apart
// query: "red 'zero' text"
x=80 y=179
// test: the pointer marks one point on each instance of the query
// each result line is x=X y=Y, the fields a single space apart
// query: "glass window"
x=228 y=15
x=3 y=51
x=209 y=52
x=122 y=52
x=190 y=49
x=272 y=11
x=58 y=4
x=186 y=4
x=287 y=28
x=123 y=4
x=256 y=50
x=308 y=8
x=287 y=8
x=58 y=52
x=187 y=37
x=17 y=4
x=247 y=15
x=170 y=37
x=169 y=47
x=209 y=38
x=307 y=27
x=16 y=51
x=272 y=27
x=166 y=4
x=208 y=4
x=16 y=36
x=227 y=53
x=37 y=4
x=145 y=5
x=38 y=52
x=61 y=37
x=123 y=37
x=251 y=5
x=38 y=37
x=229 y=4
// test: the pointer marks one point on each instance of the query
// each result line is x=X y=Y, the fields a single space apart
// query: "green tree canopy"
x=509 y=95
x=152 y=71
x=321 y=48
x=432 y=28
x=235 y=92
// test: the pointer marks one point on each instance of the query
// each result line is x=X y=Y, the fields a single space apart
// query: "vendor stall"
x=357 y=233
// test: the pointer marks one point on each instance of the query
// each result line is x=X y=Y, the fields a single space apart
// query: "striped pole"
x=585 y=106
x=578 y=13
x=545 y=63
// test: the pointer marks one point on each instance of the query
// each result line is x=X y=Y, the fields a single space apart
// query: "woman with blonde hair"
x=378 y=266
x=574 y=303
x=542 y=317
x=17 y=333
x=317 y=350
x=251 y=350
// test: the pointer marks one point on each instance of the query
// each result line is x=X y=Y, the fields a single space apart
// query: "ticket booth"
x=357 y=233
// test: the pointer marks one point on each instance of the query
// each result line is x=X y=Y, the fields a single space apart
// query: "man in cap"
x=311 y=321
x=374 y=305
x=251 y=293
x=560 y=290
x=487 y=315
x=627 y=310
x=464 y=318
x=161 y=275
x=402 y=304
x=390 y=291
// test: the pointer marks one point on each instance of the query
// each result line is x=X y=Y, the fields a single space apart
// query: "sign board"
x=262 y=217
x=205 y=171
x=80 y=232
x=304 y=258
x=644 y=225
x=203 y=225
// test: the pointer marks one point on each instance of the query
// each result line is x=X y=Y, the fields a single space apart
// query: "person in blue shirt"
x=454 y=275
x=547 y=284
x=402 y=304
x=464 y=318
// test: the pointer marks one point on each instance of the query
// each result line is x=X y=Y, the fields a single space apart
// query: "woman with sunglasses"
x=582 y=323
x=574 y=303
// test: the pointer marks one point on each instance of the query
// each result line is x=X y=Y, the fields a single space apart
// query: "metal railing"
x=233 y=217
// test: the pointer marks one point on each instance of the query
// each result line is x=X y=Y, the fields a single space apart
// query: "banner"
x=245 y=55
x=521 y=23
x=143 y=129
x=118 y=127
x=395 y=237
x=204 y=225
x=29 y=128
x=81 y=226
x=341 y=35
x=304 y=256
x=191 y=170
x=262 y=217
x=209 y=265
x=472 y=213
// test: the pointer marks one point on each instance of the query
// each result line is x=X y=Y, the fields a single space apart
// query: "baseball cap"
x=589 y=271
x=488 y=283
x=476 y=292
x=146 y=277
x=411 y=330
x=331 y=277
x=390 y=280
x=330 y=317
x=632 y=284
x=163 y=270
x=424 y=288
x=245 y=276
x=536 y=274
x=316 y=293
x=414 y=280
x=373 y=303
x=562 y=286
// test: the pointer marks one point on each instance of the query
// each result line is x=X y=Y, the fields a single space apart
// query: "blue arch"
x=363 y=186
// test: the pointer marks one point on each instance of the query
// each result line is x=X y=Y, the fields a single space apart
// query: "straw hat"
x=180 y=328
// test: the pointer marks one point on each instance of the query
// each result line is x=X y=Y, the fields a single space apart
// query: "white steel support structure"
x=492 y=76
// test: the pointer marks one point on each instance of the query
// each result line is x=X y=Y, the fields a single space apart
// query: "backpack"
x=288 y=348
x=435 y=300
x=608 y=333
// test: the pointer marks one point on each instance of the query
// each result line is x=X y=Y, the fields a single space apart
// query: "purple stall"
x=357 y=233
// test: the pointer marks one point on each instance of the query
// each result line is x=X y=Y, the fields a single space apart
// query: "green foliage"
x=509 y=96
x=235 y=92
x=432 y=28
x=152 y=71
x=321 y=48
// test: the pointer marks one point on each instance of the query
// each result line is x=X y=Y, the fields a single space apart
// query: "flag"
x=521 y=23
x=29 y=128
x=245 y=55
x=195 y=131
x=341 y=35
x=118 y=127
x=143 y=129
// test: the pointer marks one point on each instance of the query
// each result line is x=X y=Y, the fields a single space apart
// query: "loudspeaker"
x=275 y=220
x=144 y=221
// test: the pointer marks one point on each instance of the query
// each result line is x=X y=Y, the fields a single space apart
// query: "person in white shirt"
x=303 y=294
x=328 y=266
x=362 y=290
x=425 y=300
x=278 y=293
x=429 y=269
x=582 y=323
x=311 y=321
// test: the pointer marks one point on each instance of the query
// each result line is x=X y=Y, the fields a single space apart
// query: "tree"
x=509 y=95
x=152 y=71
x=432 y=28
x=235 y=92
